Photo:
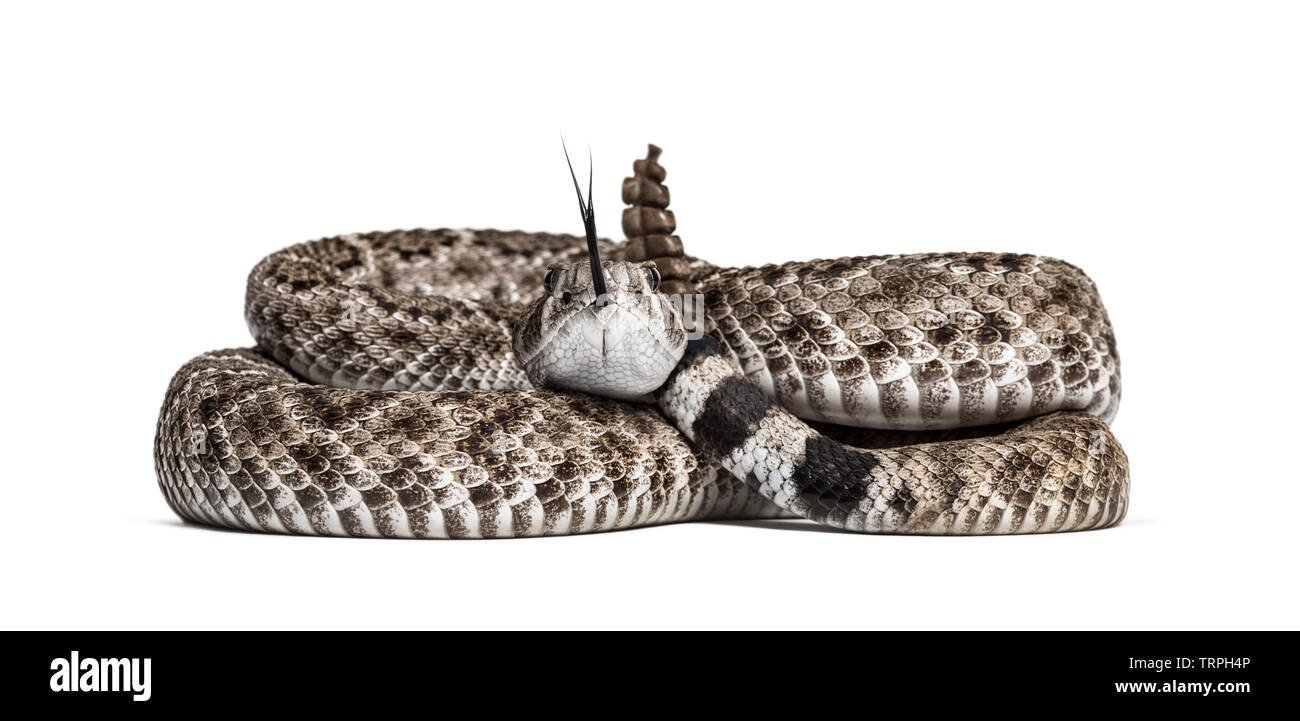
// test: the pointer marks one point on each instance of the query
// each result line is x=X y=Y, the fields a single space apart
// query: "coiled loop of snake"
x=384 y=399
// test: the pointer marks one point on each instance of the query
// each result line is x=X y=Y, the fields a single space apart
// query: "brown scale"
x=649 y=225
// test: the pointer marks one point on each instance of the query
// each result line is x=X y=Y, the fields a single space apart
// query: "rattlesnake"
x=393 y=391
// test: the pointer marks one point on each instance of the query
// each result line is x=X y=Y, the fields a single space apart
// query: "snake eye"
x=652 y=274
x=548 y=282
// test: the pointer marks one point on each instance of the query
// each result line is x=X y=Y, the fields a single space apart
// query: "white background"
x=152 y=153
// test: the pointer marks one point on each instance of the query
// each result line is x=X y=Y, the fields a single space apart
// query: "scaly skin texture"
x=433 y=429
x=1064 y=471
x=243 y=444
x=937 y=340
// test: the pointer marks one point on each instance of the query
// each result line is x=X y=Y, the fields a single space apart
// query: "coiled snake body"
x=388 y=395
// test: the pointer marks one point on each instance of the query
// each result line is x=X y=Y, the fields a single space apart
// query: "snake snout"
x=604 y=327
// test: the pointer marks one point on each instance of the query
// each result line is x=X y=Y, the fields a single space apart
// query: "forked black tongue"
x=589 y=223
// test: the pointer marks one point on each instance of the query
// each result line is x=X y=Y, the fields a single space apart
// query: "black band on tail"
x=829 y=477
x=730 y=415
x=832 y=476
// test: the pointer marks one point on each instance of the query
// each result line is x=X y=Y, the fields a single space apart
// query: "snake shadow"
x=794 y=525
x=775 y=524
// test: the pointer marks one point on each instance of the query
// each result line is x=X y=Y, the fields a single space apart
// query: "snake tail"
x=1060 y=472
x=649 y=225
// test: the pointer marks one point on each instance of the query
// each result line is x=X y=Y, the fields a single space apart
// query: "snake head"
x=600 y=327
x=622 y=343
